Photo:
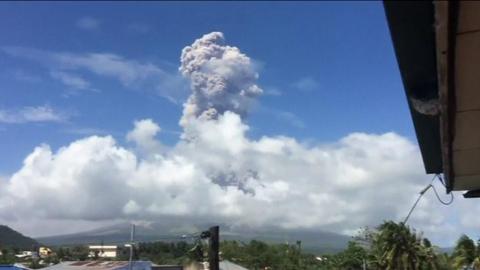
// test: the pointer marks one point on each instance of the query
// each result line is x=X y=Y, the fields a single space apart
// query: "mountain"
x=312 y=240
x=14 y=239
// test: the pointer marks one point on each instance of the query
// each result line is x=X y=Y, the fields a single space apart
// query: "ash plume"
x=222 y=79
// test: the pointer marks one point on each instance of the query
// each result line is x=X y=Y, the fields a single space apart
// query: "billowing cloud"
x=218 y=173
x=143 y=135
x=222 y=175
x=222 y=78
x=27 y=114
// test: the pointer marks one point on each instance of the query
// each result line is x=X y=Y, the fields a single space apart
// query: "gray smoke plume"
x=222 y=79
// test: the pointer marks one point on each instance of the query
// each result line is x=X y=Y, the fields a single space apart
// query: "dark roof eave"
x=412 y=30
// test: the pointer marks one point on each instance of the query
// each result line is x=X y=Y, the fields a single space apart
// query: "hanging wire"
x=440 y=200
x=440 y=179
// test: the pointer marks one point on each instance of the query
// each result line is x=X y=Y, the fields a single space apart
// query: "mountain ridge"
x=10 y=238
x=312 y=240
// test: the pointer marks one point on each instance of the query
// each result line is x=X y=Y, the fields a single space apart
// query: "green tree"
x=429 y=259
x=80 y=253
x=353 y=257
x=7 y=256
x=464 y=252
x=396 y=247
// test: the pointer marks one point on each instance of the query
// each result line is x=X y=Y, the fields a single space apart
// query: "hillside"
x=14 y=239
x=313 y=241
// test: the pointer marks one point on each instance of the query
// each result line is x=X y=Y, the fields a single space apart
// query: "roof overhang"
x=436 y=44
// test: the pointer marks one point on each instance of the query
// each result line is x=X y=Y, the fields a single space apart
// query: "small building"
x=27 y=254
x=44 y=252
x=102 y=251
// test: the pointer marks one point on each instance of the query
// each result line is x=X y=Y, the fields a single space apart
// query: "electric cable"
x=423 y=191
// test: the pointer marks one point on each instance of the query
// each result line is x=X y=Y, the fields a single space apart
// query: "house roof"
x=413 y=36
x=100 y=265
x=436 y=44
x=228 y=265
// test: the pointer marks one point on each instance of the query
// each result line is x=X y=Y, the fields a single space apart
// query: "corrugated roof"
x=228 y=265
x=100 y=265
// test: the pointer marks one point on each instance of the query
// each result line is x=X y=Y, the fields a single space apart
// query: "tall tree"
x=397 y=247
x=353 y=257
x=464 y=252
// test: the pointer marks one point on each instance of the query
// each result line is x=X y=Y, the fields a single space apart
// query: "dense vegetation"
x=11 y=238
x=389 y=246
x=177 y=253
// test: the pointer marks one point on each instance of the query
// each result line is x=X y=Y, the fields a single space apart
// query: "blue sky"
x=328 y=69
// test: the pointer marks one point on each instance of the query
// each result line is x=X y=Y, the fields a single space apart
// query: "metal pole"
x=299 y=244
x=213 y=259
x=416 y=202
x=132 y=233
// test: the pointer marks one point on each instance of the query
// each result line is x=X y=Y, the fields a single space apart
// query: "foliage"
x=13 y=239
x=260 y=255
x=354 y=257
x=76 y=253
x=7 y=256
x=397 y=247
x=390 y=246
x=464 y=253
x=159 y=252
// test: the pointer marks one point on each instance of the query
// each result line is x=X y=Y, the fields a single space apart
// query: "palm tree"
x=429 y=259
x=464 y=252
x=397 y=247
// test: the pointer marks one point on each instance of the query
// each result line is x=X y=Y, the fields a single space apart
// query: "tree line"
x=389 y=246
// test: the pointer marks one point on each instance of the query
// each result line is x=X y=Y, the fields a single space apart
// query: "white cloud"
x=143 y=135
x=273 y=181
x=73 y=81
x=32 y=114
x=306 y=84
x=23 y=76
x=88 y=23
x=130 y=73
x=85 y=131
